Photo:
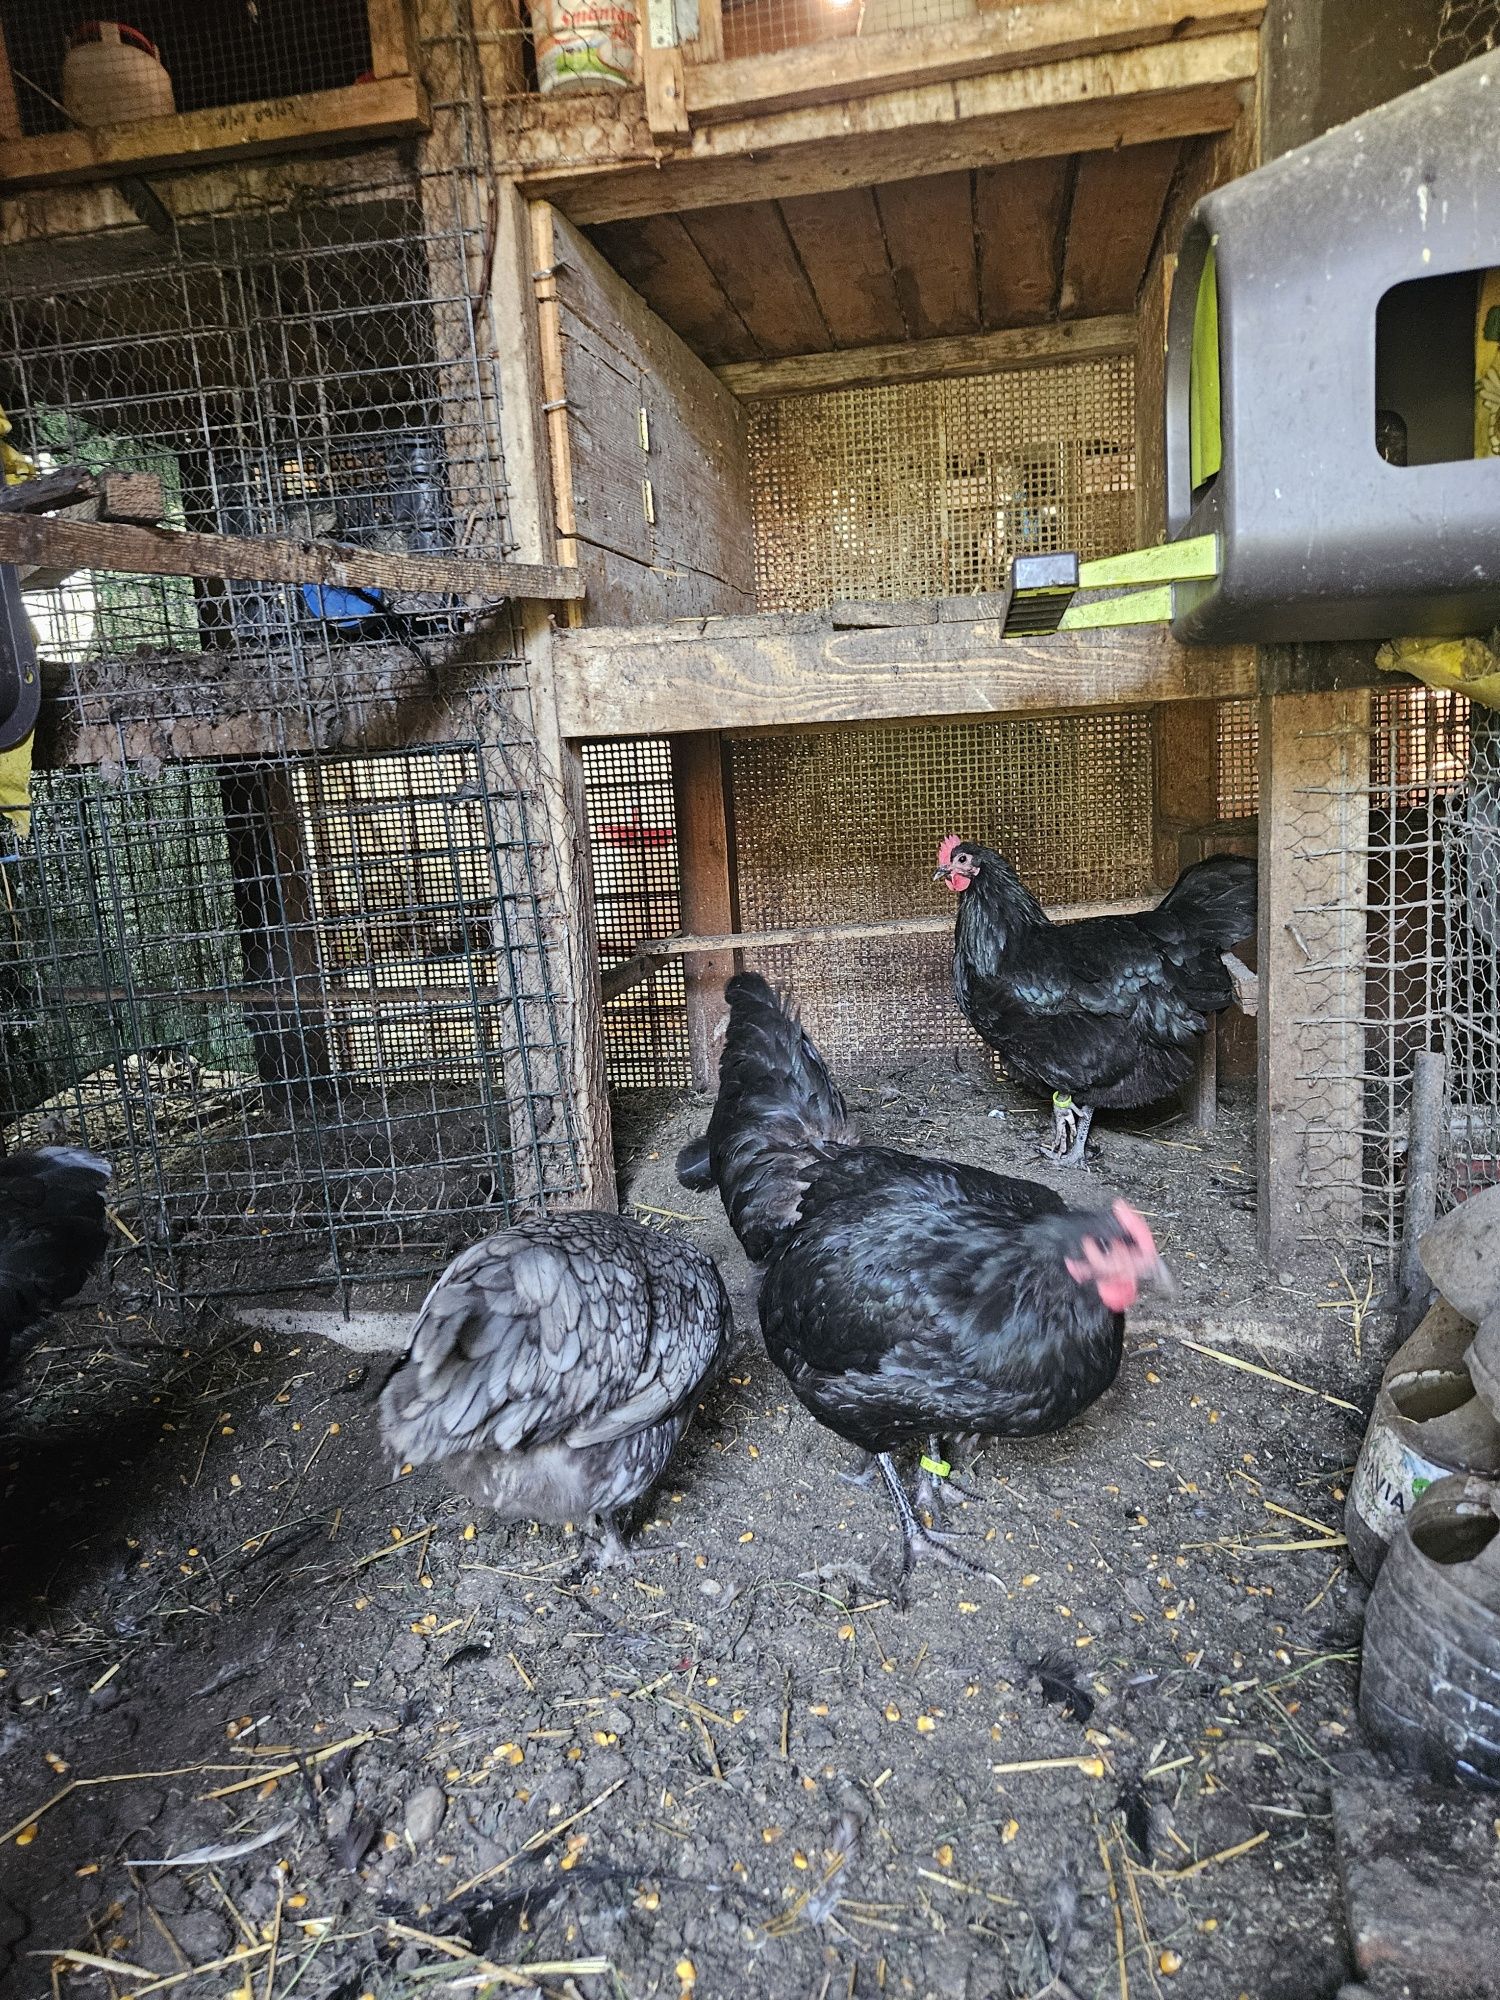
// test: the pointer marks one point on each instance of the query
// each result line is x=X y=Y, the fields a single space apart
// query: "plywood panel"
x=1117 y=205
x=929 y=234
x=656 y=256
x=751 y=254
x=1019 y=215
x=839 y=240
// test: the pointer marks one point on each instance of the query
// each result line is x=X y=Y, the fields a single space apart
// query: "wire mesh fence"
x=174 y=55
x=286 y=941
x=761 y=27
x=930 y=489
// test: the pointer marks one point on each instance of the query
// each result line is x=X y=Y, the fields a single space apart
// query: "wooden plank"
x=1019 y=217
x=690 y=546
x=751 y=254
x=929 y=360
x=391 y=49
x=1128 y=97
x=929 y=234
x=657 y=258
x=1022 y=36
x=666 y=94
x=839 y=240
x=707 y=46
x=10 y=111
x=1117 y=205
x=664 y=680
x=1150 y=402
x=87 y=496
x=706 y=887
x=53 y=543
x=1315 y=804
x=390 y=107
x=1185 y=739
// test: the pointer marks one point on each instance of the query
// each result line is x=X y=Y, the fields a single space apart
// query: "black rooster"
x=903 y=1298
x=53 y=1232
x=1104 y=1013
x=554 y=1367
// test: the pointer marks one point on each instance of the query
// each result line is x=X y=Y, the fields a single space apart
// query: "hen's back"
x=53 y=1231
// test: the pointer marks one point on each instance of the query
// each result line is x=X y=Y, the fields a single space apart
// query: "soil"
x=741 y=1767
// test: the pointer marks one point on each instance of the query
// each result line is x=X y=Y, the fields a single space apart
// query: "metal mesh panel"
x=285 y=998
x=1470 y=972
x=1466 y=28
x=760 y=27
x=832 y=827
x=1372 y=922
x=632 y=825
x=928 y=489
x=1238 y=771
x=204 y=56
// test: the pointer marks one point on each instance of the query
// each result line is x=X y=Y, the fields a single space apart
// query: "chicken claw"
x=1070 y=1131
x=936 y=1486
x=919 y=1543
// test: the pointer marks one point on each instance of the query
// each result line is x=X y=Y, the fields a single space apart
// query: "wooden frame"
x=394 y=105
x=931 y=360
x=869 y=663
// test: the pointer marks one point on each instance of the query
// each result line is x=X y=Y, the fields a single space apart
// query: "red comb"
x=947 y=849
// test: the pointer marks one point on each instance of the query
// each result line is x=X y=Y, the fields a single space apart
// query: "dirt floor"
x=399 y=1738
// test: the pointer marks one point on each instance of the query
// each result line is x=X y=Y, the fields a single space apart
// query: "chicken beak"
x=942 y=874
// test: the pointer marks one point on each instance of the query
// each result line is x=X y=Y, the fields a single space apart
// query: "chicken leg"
x=919 y=1542
x=937 y=1489
x=1070 y=1131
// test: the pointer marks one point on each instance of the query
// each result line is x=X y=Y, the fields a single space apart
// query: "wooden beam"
x=391 y=107
x=1019 y=217
x=843 y=251
x=108 y=496
x=52 y=543
x=1127 y=97
x=1185 y=738
x=930 y=360
x=707 y=46
x=10 y=111
x=391 y=48
x=1315 y=806
x=752 y=257
x=828 y=72
x=706 y=889
x=795 y=670
x=1112 y=225
x=657 y=258
x=929 y=235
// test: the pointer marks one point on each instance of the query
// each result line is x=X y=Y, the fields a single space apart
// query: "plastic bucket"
x=113 y=73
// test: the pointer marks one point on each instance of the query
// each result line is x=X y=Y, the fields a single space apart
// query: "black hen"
x=53 y=1232
x=554 y=1367
x=906 y=1298
x=1105 y=1013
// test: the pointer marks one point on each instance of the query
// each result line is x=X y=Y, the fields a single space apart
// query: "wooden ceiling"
x=967 y=252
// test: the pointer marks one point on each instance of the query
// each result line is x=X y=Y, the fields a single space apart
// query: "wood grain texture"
x=750 y=252
x=1112 y=224
x=656 y=257
x=706 y=887
x=925 y=361
x=1019 y=216
x=770 y=672
x=50 y=542
x=839 y=240
x=929 y=235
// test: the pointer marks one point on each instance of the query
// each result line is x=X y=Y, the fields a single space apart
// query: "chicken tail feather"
x=1214 y=899
x=695 y=1167
x=778 y=1112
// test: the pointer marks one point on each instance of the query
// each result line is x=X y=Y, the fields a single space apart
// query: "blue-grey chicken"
x=555 y=1367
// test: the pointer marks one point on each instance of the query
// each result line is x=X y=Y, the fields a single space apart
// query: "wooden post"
x=1185 y=739
x=1314 y=813
x=706 y=889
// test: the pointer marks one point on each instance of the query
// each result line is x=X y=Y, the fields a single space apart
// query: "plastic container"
x=113 y=73
x=588 y=47
x=1428 y=1422
x=1429 y=1684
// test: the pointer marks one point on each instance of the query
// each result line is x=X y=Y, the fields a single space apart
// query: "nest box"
x=1333 y=380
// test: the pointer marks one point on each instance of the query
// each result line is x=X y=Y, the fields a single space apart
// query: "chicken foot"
x=937 y=1489
x=1070 y=1132
x=933 y=1544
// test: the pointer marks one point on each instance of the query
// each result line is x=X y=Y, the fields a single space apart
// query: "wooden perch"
x=649 y=955
x=61 y=545
x=105 y=496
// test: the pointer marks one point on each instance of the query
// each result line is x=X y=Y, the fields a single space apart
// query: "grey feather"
x=554 y=1368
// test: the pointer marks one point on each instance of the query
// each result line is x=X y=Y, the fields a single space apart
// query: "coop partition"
x=284 y=936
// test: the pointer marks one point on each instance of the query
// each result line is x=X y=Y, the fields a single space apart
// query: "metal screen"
x=205 y=56
x=1238 y=773
x=287 y=943
x=760 y=27
x=834 y=826
x=632 y=824
x=285 y=998
x=928 y=489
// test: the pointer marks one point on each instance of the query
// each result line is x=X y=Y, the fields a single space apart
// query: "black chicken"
x=53 y=1232
x=1104 y=1013
x=903 y=1298
x=554 y=1367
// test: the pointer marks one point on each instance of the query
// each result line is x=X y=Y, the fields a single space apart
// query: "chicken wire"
x=204 y=57
x=761 y=27
x=930 y=489
x=305 y=991
x=290 y=1000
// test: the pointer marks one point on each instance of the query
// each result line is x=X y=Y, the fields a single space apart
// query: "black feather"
x=694 y=1168
x=1135 y=1808
x=1063 y=1686
x=53 y=1231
